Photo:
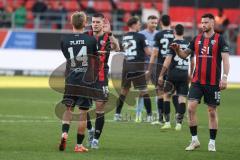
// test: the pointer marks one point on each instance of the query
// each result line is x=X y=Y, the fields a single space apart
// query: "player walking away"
x=135 y=48
x=178 y=75
x=77 y=48
x=210 y=50
x=161 y=48
x=106 y=42
x=149 y=33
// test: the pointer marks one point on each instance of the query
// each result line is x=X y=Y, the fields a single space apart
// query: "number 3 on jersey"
x=81 y=56
x=165 y=43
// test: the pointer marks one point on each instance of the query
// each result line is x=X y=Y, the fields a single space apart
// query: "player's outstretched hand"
x=175 y=46
x=106 y=26
x=223 y=84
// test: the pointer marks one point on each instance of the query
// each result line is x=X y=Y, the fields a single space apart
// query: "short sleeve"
x=192 y=44
x=223 y=45
x=64 y=49
x=156 y=41
x=94 y=46
x=144 y=42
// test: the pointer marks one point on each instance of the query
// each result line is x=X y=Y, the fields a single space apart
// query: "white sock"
x=195 y=138
x=95 y=140
x=167 y=123
x=64 y=133
x=212 y=141
x=79 y=145
x=91 y=129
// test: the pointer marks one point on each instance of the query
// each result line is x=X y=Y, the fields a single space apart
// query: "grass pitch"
x=30 y=130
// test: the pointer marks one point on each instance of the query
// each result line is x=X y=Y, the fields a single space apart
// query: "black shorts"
x=181 y=87
x=82 y=102
x=179 y=80
x=133 y=72
x=137 y=78
x=103 y=87
x=210 y=93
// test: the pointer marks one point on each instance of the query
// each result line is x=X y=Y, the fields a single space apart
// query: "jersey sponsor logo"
x=102 y=42
x=213 y=42
x=205 y=52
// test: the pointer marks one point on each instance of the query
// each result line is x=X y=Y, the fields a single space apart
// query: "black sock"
x=99 y=123
x=181 y=112
x=213 y=133
x=65 y=128
x=120 y=102
x=89 y=123
x=166 y=108
x=193 y=130
x=80 y=138
x=147 y=104
x=175 y=102
x=160 y=109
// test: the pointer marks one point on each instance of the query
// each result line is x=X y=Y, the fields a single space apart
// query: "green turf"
x=29 y=130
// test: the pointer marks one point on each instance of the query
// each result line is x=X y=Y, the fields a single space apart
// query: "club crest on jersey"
x=213 y=42
x=102 y=42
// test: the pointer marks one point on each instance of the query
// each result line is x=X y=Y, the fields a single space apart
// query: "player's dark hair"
x=165 y=19
x=179 y=29
x=208 y=15
x=133 y=20
x=78 y=19
x=98 y=15
x=152 y=17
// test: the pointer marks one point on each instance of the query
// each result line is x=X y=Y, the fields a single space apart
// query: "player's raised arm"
x=181 y=53
x=114 y=42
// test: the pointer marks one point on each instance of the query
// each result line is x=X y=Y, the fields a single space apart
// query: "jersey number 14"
x=81 y=56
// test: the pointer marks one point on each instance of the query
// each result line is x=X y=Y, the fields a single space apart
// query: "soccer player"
x=149 y=33
x=161 y=48
x=135 y=47
x=210 y=50
x=106 y=42
x=178 y=74
x=78 y=48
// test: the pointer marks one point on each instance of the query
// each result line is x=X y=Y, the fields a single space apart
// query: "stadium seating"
x=177 y=13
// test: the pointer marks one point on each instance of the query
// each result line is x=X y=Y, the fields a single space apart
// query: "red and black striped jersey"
x=104 y=44
x=208 y=58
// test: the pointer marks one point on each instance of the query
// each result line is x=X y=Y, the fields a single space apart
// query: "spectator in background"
x=138 y=11
x=90 y=10
x=39 y=7
x=117 y=15
x=20 y=16
x=61 y=14
x=6 y=17
x=221 y=21
x=50 y=15
x=146 y=12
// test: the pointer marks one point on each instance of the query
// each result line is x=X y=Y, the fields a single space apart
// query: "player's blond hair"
x=78 y=20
